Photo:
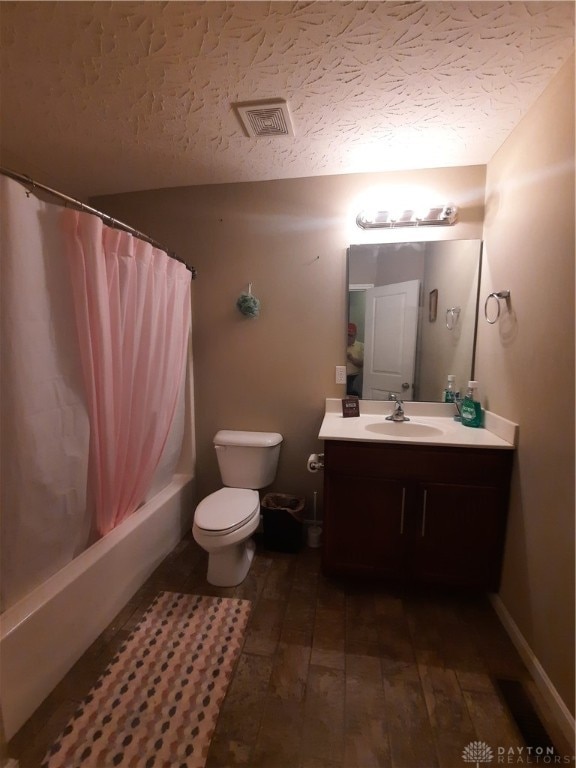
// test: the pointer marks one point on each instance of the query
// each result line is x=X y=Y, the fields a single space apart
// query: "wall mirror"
x=412 y=318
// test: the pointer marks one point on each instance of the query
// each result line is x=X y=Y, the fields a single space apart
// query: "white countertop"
x=438 y=417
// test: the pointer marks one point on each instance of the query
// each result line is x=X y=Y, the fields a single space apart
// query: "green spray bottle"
x=472 y=414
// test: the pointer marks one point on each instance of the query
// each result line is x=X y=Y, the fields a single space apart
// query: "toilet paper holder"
x=315 y=462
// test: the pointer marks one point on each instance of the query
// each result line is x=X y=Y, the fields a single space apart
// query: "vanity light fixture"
x=441 y=215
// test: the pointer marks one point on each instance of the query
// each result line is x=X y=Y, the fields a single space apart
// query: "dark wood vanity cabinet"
x=414 y=513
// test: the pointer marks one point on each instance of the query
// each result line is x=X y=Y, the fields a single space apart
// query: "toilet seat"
x=226 y=510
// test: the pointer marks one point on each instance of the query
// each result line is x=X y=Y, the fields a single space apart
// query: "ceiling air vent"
x=265 y=118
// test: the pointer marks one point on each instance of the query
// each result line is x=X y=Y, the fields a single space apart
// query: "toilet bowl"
x=223 y=523
x=225 y=520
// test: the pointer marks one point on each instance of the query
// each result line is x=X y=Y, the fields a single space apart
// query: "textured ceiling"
x=110 y=97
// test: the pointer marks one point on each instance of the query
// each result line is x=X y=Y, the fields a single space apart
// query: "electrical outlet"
x=340 y=374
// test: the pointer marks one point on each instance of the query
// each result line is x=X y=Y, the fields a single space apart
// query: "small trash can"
x=283 y=520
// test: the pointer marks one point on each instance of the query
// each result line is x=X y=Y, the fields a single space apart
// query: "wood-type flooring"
x=333 y=674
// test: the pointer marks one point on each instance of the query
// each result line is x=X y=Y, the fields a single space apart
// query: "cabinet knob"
x=405 y=385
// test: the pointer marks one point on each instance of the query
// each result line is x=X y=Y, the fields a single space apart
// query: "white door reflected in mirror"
x=391 y=328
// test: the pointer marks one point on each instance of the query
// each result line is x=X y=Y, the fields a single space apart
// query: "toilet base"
x=230 y=567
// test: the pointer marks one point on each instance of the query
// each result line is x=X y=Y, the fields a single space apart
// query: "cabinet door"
x=459 y=537
x=364 y=525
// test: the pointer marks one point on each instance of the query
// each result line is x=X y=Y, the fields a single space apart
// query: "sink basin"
x=403 y=429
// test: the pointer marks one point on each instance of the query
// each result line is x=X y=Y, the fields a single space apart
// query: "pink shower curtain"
x=132 y=305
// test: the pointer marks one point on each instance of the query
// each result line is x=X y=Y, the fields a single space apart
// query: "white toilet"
x=225 y=520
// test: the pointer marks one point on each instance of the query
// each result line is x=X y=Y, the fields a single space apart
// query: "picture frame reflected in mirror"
x=433 y=305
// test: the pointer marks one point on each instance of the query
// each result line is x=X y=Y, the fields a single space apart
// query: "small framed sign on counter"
x=350 y=406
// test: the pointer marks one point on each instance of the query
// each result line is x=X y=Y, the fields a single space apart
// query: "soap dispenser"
x=471 y=410
x=449 y=395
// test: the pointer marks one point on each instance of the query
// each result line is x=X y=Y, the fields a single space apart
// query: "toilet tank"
x=247 y=459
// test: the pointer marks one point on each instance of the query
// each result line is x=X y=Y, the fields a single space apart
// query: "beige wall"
x=525 y=363
x=289 y=239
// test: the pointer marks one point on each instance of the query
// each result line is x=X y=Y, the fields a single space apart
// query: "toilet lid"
x=227 y=508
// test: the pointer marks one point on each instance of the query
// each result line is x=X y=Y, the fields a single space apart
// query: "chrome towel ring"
x=452 y=315
x=495 y=295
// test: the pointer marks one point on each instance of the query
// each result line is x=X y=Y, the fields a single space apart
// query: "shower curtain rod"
x=88 y=209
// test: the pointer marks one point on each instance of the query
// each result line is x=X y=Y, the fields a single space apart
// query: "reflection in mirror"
x=412 y=318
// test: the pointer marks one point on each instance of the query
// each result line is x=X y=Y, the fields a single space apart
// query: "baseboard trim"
x=558 y=708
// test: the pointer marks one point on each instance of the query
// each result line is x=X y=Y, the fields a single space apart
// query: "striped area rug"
x=157 y=703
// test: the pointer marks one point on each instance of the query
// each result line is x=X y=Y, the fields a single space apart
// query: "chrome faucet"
x=398 y=412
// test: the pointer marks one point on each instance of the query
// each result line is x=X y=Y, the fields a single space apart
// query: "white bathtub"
x=43 y=635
